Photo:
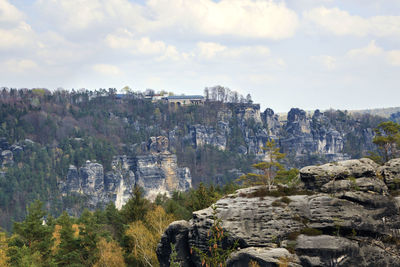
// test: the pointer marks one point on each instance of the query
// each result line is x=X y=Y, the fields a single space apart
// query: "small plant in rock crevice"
x=217 y=255
x=173 y=260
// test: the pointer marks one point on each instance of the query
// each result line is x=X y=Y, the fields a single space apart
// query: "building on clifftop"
x=184 y=100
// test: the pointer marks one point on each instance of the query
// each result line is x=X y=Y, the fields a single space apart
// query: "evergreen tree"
x=268 y=169
x=35 y=234
x=136 y=207
x=114 y=221
x=202 y=197
x=68 y=251
x=88 y=237
x=387 y=138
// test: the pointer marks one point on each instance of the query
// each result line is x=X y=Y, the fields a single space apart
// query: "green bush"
x=310 y=231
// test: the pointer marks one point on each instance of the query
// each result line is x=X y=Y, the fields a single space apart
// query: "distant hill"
x=383 y=112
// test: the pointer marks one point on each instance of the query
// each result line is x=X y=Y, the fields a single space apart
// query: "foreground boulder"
x=344 y=216
x=390 y=173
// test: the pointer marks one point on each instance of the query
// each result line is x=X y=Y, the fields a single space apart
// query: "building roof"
x=199 y=97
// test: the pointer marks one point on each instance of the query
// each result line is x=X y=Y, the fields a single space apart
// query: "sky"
x=341 y=54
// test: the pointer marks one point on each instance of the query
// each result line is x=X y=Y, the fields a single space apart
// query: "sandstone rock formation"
x=207 y=135
x=8 y=152
x=344 y=216
x=306 y=138
x=156 y=172
x=390 y=172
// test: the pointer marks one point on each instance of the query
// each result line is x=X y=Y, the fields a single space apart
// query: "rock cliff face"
x=156 y=172
x=306 y=138
x=347 y=218
x=208 y=135
x=8 y=152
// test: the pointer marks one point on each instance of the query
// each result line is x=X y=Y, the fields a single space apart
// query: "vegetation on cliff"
x=47 y=132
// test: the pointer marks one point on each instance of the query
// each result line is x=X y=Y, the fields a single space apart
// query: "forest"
x=48 y=131
x=109 y=237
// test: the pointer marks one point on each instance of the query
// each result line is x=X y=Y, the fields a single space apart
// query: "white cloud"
x=372 y=50
x=20 y=36
x=210 y=50
x=328 y=62
x=107 y=69
x=340 y=22
x=73 y=14
x=9 y=14
x=393 y=57
x=263 y=78
x=21 y=65
x=141 y=45
x=123 y=39
x=255 y=51
x=15 y=33
x=239 y=18
x=281 y=62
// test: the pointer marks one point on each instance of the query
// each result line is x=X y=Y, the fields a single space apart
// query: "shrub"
x=216 y=255
x=286 y=200
x=293 y=235
x=277 y=203
x=291 y=246
x=310 y=231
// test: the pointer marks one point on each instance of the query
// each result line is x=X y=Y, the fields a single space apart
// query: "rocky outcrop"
x=6 y=157
x=390 y=173
x=9 y=152
x=156 y=172
x=87 y=181
x=157 y=144
x=272 y=123
x=264 y=257
x=343 y=215
x=306 y=138
x=207 y=135
x=159 y=174
x=314 y=177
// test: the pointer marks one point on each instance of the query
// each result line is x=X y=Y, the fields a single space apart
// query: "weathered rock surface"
x=306 y=138
x=390 y=172
x=207 y=135
x=349 y=220
x=159 y=173
x=157 y=144
x=8 y=152
x=264 y=257
x=156 y=172
x=272 y=123
x=6 y=157
x=316 y=176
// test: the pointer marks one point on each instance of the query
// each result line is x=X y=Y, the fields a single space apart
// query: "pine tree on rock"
x=268 y=169
x=387 y=138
